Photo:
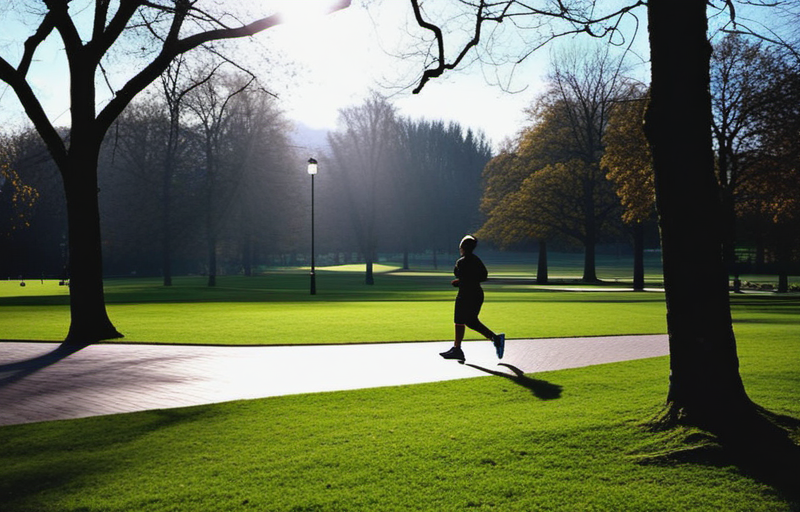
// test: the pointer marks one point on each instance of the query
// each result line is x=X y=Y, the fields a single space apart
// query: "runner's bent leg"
x=477 y=326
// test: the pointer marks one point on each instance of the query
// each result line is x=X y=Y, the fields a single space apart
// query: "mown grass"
x=277 y=309
x=477 y=444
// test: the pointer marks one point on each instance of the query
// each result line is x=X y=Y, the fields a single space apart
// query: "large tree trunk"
x=89 y=320
x=705 y=381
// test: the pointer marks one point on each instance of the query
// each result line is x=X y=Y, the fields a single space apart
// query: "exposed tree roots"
x=762 y=444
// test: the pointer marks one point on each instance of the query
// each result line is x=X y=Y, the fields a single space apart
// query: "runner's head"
x=468 y=244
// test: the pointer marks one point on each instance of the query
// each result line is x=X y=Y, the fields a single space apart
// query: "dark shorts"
x=468 y=306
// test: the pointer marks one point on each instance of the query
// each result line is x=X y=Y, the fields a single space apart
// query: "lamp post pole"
x=312 y=170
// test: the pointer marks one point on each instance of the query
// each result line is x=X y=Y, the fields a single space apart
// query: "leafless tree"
x=210 y=104
x=166 y=29
x=175 y=85
x=361 y=147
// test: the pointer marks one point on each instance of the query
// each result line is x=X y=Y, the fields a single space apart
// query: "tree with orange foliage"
x=16 y=198
x=629 y=166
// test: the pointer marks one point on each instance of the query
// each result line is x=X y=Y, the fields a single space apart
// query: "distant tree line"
x=200 y=176
x=178 y=185
x=403 y=186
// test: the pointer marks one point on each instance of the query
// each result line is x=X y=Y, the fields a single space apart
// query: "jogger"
x=470 y=272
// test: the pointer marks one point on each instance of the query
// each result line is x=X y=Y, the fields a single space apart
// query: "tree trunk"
x=590 y=238
x=541 y=269
x=728 y=230
x=589 y=257
x=247 y=253
x=370 y=278
x=212 y=259
x=783 y=257
x=166 y=198
x=211 y=232
x=704 y=381
x=638 y=257
x=783 y=282
x=166 y=260
x=89 y=320
x=166 y=226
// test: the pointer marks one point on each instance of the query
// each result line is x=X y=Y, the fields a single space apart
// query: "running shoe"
x=499 y=345
x=453 y=353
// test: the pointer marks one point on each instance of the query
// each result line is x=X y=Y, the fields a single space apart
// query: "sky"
x=344 y=55
x=318 y=64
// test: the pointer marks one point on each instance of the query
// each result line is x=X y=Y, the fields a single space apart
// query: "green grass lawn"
x=476 y=444
x=277 y=309
x=489 y=443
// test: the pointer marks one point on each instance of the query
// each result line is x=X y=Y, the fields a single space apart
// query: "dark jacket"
x=470 y=272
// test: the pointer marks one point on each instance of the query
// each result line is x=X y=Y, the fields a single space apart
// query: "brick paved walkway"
x=45 y=381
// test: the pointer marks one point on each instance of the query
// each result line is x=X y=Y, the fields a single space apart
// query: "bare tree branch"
x=33 y=42
x=33 y=108
x=744 y=27
x=100 y=15
x=580 y=18
x=103 y=39
x=65 y=27
x=441 y=60
x=173 y=46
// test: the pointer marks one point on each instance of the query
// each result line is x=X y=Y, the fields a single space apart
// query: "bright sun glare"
x=302 y=11
x=330 y=48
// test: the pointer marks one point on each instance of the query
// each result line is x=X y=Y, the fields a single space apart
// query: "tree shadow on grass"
x=13 y=372
x=84 y=451
x=761 y=444
x=540 y=388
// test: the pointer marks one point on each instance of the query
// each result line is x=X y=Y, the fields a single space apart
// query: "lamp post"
x=312 y=170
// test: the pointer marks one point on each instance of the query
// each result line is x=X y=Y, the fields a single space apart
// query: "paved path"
x=45 y=381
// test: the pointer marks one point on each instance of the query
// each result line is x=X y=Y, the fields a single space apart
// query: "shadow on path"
x=12 y=372
x=540 y=388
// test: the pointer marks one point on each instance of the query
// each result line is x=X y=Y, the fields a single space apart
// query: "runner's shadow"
x=540 y=388
x=12 y=372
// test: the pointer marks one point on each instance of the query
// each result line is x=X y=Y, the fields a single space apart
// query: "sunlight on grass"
x=489 y=443
x=33 y=288
x=482 y=443
x=277 y=309
x=377 y=268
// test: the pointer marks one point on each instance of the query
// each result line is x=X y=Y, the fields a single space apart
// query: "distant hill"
x=315 y=140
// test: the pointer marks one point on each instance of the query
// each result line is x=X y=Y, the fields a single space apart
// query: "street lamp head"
x=312 y=166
